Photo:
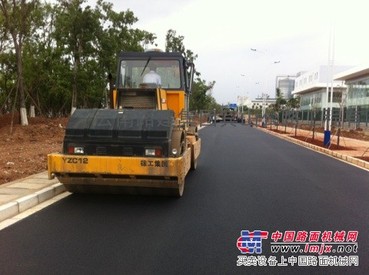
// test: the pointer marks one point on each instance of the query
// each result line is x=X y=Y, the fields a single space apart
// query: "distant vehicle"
x=228 y=114
x=216 y=118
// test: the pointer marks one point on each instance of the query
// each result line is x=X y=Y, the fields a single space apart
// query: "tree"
x=89 y=40
x=17 y=19
x=3 y=34
x=7 y=81
x=36 y=55
x=201 y=98
x=280 y=101
x=117 y=35
x=75 y=31
x=68 y=50
x=293 y=103
x=174 y=43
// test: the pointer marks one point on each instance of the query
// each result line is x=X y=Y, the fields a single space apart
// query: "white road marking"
x=32 y=210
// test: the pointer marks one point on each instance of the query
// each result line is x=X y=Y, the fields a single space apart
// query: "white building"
x=244 y=101
x=311 y=87
x=356 y=99
x=258 y=102
x=357 y=82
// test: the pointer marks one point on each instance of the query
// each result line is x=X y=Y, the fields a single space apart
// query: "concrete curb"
x=352 y=160
x=21 y=204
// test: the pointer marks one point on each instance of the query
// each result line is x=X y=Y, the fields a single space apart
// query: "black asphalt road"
x=246 y=180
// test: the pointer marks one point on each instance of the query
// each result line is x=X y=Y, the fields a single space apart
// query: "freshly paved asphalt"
x=246 y=179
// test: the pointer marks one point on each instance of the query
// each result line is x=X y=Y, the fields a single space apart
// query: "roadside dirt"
x=355 y=134
x=318 y=141
x=24 y=151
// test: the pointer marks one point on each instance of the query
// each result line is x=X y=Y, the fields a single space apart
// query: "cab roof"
x=152 y=54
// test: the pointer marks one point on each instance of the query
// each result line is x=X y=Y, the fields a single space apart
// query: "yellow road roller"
x=145 y=143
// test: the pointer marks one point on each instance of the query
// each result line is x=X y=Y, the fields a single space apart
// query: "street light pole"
x=329 y=111
x=242 y=98
x=264 y=96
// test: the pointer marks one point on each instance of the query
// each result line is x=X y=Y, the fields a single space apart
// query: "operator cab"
x=133 y=73
x=140 y=74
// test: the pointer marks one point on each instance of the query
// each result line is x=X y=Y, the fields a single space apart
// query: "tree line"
x=55 y=57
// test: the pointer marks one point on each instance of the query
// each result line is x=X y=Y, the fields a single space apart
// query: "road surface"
x=246 y=180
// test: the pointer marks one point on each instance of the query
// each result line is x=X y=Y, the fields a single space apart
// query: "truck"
x=144 y=143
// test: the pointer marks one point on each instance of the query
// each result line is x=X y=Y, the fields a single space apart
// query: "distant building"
x=243 y=101
x=311 y=87
x=356 y=98
x=285 y=84
x=357 y=83
x=258 y=102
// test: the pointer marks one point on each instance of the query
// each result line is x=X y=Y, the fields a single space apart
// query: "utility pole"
x=329 y=111
x=264 y=96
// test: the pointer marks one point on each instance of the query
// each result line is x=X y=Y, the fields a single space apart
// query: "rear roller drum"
x=177 y=192
x=193 y=164
x=178 y=143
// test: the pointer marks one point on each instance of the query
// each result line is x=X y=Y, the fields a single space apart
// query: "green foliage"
x=280 y=101
x=68 y=50
x=19 y=18
x=174 y=43
x=201 y=97
x=293 y=103
x=116 y=35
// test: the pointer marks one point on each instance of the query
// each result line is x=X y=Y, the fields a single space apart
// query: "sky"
x=287 y=37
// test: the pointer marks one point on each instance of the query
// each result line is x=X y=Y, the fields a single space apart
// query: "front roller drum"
x=132 y=186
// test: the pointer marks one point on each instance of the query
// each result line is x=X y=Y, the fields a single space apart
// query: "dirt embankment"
x=24 y=151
